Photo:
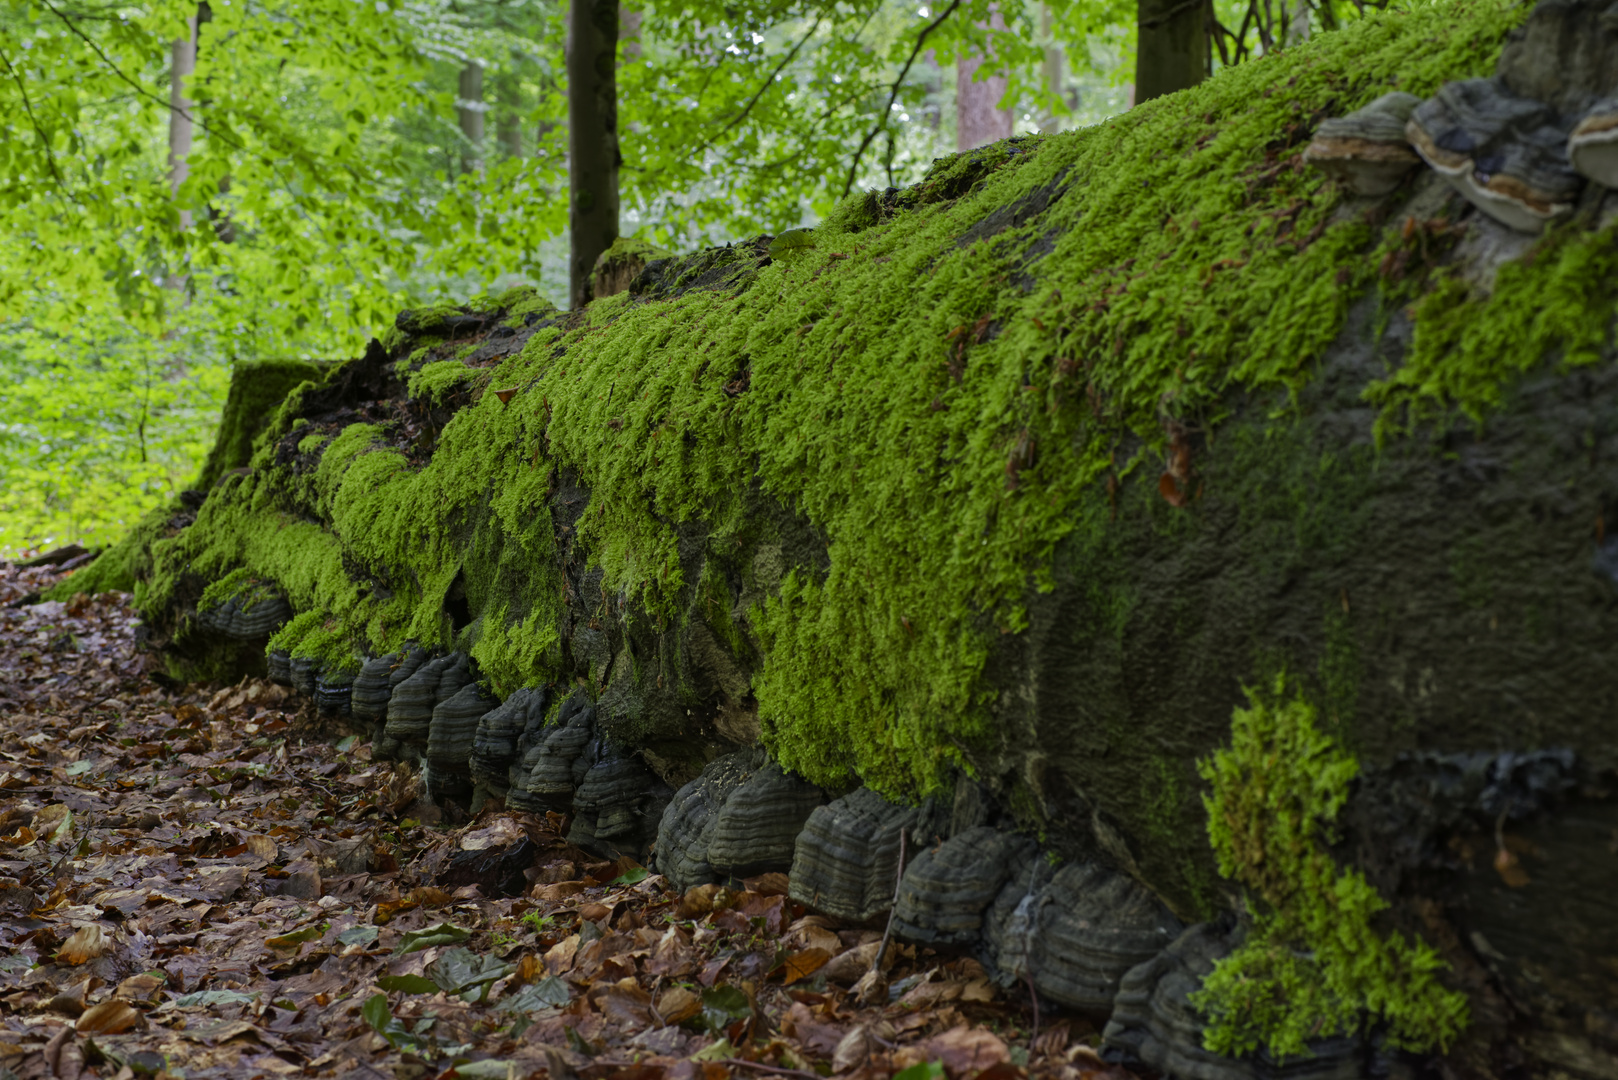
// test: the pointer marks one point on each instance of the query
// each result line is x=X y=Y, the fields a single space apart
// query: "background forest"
x=183 y=186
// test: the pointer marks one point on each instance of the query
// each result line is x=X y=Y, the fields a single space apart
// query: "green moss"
x=124 y=565
x=256 y=388
x=1469 y=348
x=941 y=387
x=441 y=378
x=310 y=443
x=1313 y=963
x=313 y=634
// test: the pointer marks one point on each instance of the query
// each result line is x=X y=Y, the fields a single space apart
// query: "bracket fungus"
x=368 y=696
x=333 y=689
x=252 y=614
x=1504 y=153
x=756 y=830
x=688 y=822
x=1076 y=933
x=546 y=775
x=946 y=889
x=846 y=861
x=1367 y=150
x=617 y=805
x=500 y=731
x=1593 y=146
x=1154 y=1022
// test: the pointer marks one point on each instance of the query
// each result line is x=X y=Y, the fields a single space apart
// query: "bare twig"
x=893 y=94
x=882 y=950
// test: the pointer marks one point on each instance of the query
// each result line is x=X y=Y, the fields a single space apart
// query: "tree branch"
x=768 y=80
x=882 y=121
x=44 y=140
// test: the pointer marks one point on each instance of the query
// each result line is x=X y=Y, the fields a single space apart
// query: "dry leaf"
x=108 y=1018
x=966 y=1049
x=803 y=964
x=53 y=823
x=506 y=395
x=263 y=847
x=1510 y=869
x=87 y=943
x=872 y=989
x=677 y=1005
x=851 y=965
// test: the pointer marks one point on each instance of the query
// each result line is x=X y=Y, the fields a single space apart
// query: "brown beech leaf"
x=506 y=395
x=677 y=1005
x=966 y=1049
x=801 y=965
x=108 y=1018
x=87 y=943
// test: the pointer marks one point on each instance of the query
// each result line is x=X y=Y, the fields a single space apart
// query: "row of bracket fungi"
x=1079 y=934
x=1521 y=145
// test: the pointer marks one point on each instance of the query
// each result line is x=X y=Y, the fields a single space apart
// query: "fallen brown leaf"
x=87 y=943
x=108 y=1018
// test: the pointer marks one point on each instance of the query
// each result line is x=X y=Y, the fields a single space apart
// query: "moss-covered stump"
x=1249 y=537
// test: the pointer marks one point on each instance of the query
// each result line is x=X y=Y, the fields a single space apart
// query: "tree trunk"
x=1172 y=47
x=1050 y=70
x=181 y=126
x=978 y=118
x=592 y=138
x=469 y=111
x=508 y=123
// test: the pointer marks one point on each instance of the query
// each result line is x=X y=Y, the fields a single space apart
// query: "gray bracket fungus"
x=549 y=770
x=846 y=863
x=1519 y=145
x=947 y=888
x=617 y=805
x=688 y=822
x=305 y=670
x=253 y=614
x=1367 y=150
x=453 y=730
x=1154 y=1022
x=756 y=829
x=410 y=708
x=1506 y=154
x=333 y=689
x=1075 y=932
x=278 y=664
x=1593 y=145
x=368 y=697
x=494 y=745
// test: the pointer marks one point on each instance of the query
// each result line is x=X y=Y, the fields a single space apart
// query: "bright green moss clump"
x=1313 y=964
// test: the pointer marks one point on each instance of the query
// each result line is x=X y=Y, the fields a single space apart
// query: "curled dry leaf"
x=53 y=823
x=87 y=943
x=108 y=1018
x=851 y=965
x=872 y=989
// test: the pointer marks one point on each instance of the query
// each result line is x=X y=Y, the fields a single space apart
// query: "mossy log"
x=1045 y=472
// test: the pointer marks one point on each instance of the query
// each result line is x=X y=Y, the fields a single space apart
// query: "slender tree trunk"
x=978 y=118
x=181 y=67
x=593 y=159
x=1171 y=51
x=508 y=122
x=469 y=111
x=1050 y=70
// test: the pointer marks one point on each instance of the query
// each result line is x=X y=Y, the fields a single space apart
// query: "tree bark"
x=469 y=111
x=181 y=125
x=508 y=122
x=1171 y=51
x=978 y=118
x=593 y=158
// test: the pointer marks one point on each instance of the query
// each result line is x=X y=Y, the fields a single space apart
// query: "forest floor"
x=207 y=881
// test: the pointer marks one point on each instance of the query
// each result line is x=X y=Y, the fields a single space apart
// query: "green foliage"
x=1313 y=963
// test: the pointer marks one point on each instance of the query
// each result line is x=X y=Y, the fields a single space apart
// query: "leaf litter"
x=207 y=881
